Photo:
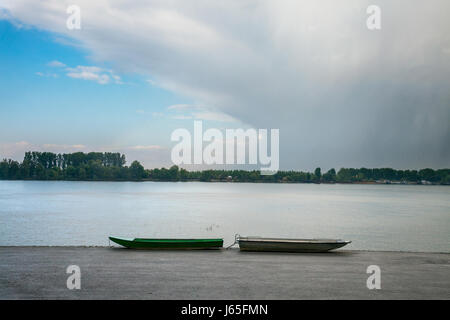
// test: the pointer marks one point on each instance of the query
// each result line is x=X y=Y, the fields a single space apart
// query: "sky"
x=340 y=94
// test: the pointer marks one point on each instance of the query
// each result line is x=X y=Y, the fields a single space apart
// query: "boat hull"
x=167 y=244
x=289 y=245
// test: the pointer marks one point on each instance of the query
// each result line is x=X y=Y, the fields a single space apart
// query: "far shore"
x=258 y=181
x=107 y=166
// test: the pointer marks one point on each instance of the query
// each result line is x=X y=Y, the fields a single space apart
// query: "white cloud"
x=181 y=117
x=16 y=150
x=213 y=116
x=149 y=155
x=180 y=107
x=199 y=112
x=149 y=147
x=56 y=64
x=47 y=75
x=63 y=146
x=92 y=73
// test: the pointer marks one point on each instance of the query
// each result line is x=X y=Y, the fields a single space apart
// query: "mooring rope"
x=236 y=239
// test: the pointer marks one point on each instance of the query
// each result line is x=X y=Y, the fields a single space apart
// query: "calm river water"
x=374 y=217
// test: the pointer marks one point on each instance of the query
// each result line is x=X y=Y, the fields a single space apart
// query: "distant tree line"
x=107 y=166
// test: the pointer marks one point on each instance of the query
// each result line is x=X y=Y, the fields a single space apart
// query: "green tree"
x=206 y=175
x=136 y=170
x=318 y=173
x=4 y=169
x=173 y=173
x=330 y=175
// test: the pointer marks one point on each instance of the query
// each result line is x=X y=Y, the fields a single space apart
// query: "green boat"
x=179 y=244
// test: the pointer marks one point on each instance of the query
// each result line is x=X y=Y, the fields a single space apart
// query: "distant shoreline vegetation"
x=107 y=166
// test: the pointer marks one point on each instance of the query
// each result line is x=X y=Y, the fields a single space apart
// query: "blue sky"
x=42 y=105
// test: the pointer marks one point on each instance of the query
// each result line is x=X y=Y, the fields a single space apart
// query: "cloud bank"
x=93 y=73
x=150 y=155
x=340 y=94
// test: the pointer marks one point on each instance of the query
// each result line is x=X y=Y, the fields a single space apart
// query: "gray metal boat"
x=288 y=245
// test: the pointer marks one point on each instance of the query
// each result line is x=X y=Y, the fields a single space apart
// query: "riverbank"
x=107 y=166
x=115 y=273
x=408 y=183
